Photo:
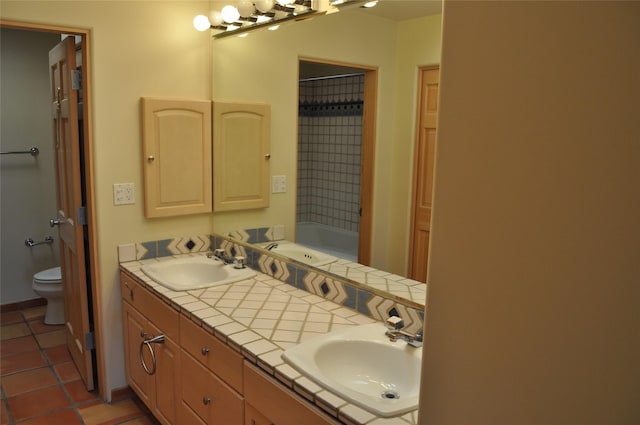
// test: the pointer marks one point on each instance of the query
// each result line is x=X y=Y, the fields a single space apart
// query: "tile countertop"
x=262 y=317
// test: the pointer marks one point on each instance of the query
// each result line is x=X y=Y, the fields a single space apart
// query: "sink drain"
x=390 y=395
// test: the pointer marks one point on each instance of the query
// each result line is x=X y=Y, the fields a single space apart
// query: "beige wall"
x=419 y=44
x=534 y=294
x=259 y=68
x=138 y=49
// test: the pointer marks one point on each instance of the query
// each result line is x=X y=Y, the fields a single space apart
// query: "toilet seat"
x=48 y=276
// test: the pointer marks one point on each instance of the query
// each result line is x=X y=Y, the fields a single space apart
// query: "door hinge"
x=89 y=341
x=360 y=212
x=76 y=79
x=82 y=216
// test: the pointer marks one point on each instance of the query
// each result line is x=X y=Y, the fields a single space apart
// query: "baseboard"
x=120 y=394
x=22 y=305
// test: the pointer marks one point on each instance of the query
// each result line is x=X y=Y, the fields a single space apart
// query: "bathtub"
x=330 y=240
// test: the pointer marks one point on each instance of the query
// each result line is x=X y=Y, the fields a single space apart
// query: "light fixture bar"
x=296 y=11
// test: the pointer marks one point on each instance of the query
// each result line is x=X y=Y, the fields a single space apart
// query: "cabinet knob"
x=268 y=156
x=204 y=351
x=151 y=158
x=206 y=400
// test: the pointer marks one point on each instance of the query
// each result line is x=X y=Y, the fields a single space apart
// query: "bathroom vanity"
x=213 y=356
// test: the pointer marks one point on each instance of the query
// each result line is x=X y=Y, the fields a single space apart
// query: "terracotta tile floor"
x=40 y=384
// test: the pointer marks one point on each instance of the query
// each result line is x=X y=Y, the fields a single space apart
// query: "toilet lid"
x=49 y=275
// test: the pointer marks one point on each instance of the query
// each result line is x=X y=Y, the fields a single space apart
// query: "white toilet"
x=48 y=284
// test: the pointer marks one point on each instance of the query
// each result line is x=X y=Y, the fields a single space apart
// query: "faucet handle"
x=394 y=322
x=219 y=252
x=239 y=262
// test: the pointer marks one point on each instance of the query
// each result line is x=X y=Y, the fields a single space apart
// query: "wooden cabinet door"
x=253 y=417
x=135 y=326
x=167 y=379
x=176 y=155
x=271 y=400
x=241 y=144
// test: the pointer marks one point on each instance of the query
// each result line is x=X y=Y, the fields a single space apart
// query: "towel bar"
x=33 y=152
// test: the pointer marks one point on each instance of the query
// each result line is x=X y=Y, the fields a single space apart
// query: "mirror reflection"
x=311 y=74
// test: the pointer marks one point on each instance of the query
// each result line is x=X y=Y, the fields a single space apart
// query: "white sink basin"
x=182 y=274
x=361 y=365
x=302 y=254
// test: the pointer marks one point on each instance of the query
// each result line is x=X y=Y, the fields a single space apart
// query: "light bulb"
x=230 y=14
x=245 y=8
x=285 y=2
x=201 y=23
x=215 y=18
x=370 y=4
x=264 y=5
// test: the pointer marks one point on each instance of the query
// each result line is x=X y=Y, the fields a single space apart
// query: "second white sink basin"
x=182 y=274
x=361 y=365
x=302 y=253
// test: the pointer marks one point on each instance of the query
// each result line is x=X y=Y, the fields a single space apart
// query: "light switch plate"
x=123 y=194
x=278 y=184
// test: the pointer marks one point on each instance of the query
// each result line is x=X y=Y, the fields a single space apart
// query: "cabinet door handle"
x=206 y=400
x=151 y=158
x=204 y=351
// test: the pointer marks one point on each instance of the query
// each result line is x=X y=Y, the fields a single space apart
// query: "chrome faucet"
x=395 y=331
x=271 y=246
x=238 y=261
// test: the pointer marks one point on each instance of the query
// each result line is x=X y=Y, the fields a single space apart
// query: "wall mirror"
x=394 y=39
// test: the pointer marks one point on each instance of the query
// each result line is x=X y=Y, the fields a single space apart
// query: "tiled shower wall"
x=329 y=147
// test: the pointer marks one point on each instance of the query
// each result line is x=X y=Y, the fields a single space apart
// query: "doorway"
x=79 y=52
x=335 y=158
x=423 y=167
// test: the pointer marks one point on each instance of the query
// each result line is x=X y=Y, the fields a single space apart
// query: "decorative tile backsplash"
x=325 y=285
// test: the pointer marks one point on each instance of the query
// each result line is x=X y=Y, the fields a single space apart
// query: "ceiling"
x=401 y=10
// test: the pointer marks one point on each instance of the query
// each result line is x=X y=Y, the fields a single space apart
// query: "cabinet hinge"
x=82 y=216
x=76 y=79
x=89 y=341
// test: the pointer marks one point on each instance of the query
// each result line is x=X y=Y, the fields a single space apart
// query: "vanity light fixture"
x=246 y=15
x=201 y=23
x=230 y=14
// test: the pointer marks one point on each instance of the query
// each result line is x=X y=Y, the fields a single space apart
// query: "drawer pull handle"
x=130 y=290
x=206 y=400
x=204 y=351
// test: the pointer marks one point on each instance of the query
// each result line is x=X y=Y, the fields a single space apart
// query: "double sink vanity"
x=211 y=341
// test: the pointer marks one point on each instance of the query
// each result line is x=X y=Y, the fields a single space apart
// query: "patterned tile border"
x=317 y=282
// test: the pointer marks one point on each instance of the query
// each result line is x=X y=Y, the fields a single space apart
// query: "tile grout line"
x=73 y=405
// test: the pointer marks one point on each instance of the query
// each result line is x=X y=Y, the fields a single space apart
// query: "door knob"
x=55 y=222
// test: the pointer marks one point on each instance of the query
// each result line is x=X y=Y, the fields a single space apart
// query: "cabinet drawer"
x=212 y=353
x=206 y=395
x=281 y=405
x=154 y=309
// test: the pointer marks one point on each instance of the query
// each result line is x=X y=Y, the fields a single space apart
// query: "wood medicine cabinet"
x=177 y=156
x=241 y=143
